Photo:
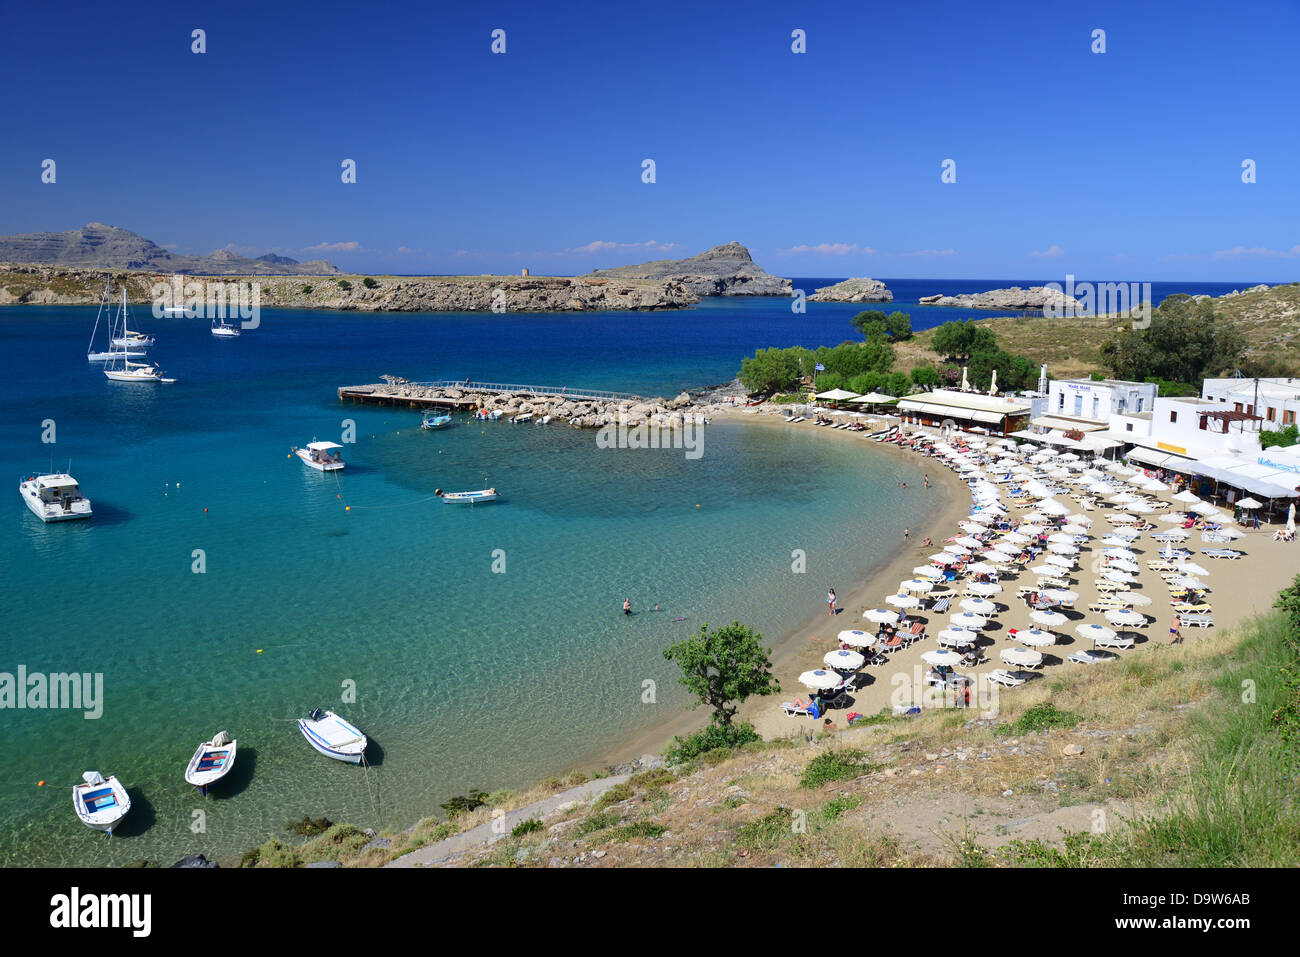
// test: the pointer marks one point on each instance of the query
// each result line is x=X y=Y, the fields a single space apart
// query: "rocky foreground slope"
x=22 y=284
x=726 y=270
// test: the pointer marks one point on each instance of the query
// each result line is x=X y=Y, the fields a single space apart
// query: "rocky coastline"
x=726 y=270
x=26 y=284
x=854 y=290
x=1035 y=297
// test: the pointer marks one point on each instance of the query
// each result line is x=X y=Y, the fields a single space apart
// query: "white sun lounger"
x=794 y=711
x=1004 y=677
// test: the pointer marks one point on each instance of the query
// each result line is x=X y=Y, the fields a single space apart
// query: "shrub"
x=306 y=290
x=615 y=795
x=530 y=826
x=344 y=285
x=766 y=832
x=464 y=803
x=629 y=832
x=1042 y=717
x=307 y=827
x=369 y=283
x=712 y=738
x=839 y=764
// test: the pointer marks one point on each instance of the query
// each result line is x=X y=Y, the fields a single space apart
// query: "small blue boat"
x=435 y=420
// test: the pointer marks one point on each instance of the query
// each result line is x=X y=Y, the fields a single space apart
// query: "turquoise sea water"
x=463 y=677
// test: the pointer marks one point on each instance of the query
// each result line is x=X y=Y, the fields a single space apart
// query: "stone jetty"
x=583 y=409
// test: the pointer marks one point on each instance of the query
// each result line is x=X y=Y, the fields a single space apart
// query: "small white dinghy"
x=211 y=762
x=100 y=804
x=332 y=736
x=471 y=498
x=321 y=456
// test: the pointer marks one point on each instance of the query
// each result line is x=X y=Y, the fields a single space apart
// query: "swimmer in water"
x=627 y=606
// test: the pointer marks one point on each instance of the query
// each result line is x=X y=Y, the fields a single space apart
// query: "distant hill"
x=726 y=270
x=99 y=246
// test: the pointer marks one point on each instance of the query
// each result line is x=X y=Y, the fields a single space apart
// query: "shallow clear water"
x=464 y=677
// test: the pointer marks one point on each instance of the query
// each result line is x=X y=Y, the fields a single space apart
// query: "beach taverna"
x=997 y=414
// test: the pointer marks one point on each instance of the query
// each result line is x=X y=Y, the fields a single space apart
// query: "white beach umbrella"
x=974 y=528
x=1122 y=498
x=979 y=606
x=927 y=571
x=1119 y=517
x=1187 y=581
x=1155 y=485
x=918 y=585
x=902 y=601
x=1035 y=637
x=979 y=519
x=1124 y=616
x=1073 y=529
x=966 y=619
x=1061 y=538
x=1127 y=533
x=1093 y=632
x=820 y=680
x=1191 y=568
x=1031 y=528
x=857 y=638
x=983 y=588
x=1204 y=508
x=1060 y=561
x=941 y=657
x=1190 y=498
x=1051 y=506
x=1021 y=656
x=844 y=659
x=1060 y=548
x=957 y=637
x=980 y=568
x=969 y=542
x=1119 y=553
x=996 y=557
x=1119 y=577
x=945 y=557
x=1171 y=535
x=1015 y=538
x=880 y=616
x=1051 y=619
x=1223 y=534
x=1141 y=508
x=1042 y=570
x=1115 y=541
x=1124 y=565
x=1063 y=595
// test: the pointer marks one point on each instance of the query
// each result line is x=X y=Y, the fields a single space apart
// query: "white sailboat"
x=92 y=354
x=120 y=368
x=224 y=330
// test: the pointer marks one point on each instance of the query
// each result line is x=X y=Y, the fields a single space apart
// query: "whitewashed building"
x=1095 y=400
x=1276 y=401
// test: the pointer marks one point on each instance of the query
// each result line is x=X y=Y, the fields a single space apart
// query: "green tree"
x=899 y=325
x=872 y=324
x=962 y=339
x=867 y=382
x=723 y=667
x=1184 y=342
x=925 y=376
x=900 y=384
x=1282 y=437
x=770 y=370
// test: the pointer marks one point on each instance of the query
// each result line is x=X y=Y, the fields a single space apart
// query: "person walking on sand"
x=1175 y=636
x=907 y=533
x=627 y=606
x=832 y=602
x=927 y=481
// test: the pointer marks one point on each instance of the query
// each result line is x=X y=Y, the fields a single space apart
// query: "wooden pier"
x=402 y=392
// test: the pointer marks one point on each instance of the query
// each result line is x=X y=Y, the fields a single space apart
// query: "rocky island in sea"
x=854 y=290
x=726 y=270
x=1035 y=297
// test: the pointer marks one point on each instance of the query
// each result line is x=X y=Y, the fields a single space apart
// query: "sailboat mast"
x=105 y=299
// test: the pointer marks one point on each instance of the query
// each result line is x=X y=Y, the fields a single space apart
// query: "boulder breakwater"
x=579 y=408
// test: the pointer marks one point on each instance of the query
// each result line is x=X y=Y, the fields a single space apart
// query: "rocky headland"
x=1035 y=297
x=100 y=246
x=726 y=270
x=23 y=284
x=854 y=290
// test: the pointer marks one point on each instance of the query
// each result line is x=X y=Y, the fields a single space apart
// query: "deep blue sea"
x=462 y=675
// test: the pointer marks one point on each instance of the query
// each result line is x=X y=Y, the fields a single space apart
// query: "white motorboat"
x=435 y=420
x=211 y=762
x=136 y=340
x=99 y=803
x=332 y=736
x=542 y=421
x=321 y=456
x=224 y=330
x=522 y=417
x=54 y=498
x=470 y=498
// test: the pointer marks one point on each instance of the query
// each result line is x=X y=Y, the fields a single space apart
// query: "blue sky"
x=1121 y=165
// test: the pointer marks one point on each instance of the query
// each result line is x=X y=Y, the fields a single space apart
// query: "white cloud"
x=1259 y=252
x=931 y=252
x=352 y=247
x=828 y=249
x=601 y=245
x=1051 y=252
